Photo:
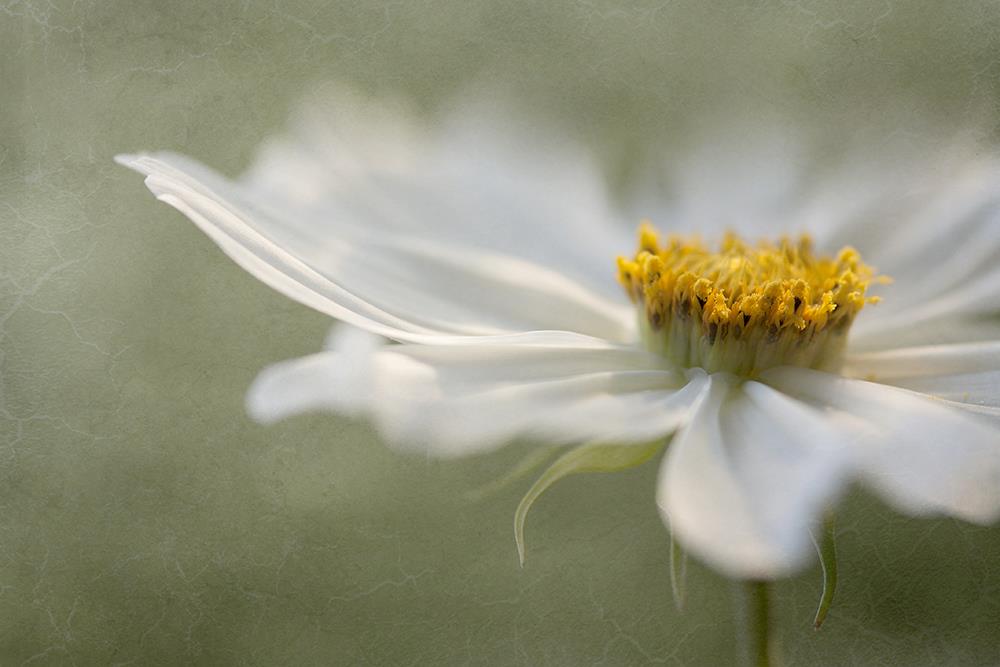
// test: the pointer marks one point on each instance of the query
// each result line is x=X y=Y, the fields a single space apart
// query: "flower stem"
x=757 y=623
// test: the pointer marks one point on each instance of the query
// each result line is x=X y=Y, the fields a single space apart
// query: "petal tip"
x=134 y=161
x=260 y=404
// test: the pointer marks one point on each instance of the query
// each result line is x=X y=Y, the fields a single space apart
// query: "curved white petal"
x=921 y=454
x=461 y=399
x=746 y=478
x=393 y=286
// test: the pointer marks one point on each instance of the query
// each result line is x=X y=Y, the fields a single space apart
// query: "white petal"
x=745 y=479
x=455 y=400
x=942 y=247
x=950 y=233
x=966 y=374
x=964 y=313
x=875 y=332
x=478 y=178
x=743 y=179
x=971 y=388
x=389 y=285
x=922 y=361
x=351 y=340
x=922 y=455
x=622 y=407
x=977 y=294
x=343 y=378
x=312 y=383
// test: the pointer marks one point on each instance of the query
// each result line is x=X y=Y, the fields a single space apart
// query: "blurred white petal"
x=310 y=384
x=476 y=178
x=453 y=400
x=951 y=223
x=923 y=456
x=746 y=478
x=743 y=179
x=941 y=246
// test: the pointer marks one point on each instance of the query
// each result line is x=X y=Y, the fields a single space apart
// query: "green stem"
x=758 y=623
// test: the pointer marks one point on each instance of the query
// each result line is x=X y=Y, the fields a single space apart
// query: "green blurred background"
x=145 y=520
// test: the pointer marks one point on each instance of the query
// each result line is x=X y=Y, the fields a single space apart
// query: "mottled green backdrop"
x=145 y=520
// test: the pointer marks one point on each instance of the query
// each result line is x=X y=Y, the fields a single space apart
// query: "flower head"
x=745 y=308
x=752 y=353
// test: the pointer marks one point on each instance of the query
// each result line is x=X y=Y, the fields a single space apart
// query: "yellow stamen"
x=745 y=307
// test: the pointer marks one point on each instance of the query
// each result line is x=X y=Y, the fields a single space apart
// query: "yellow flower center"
x=744 y=308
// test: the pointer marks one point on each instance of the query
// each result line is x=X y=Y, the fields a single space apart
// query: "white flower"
x=491 y=261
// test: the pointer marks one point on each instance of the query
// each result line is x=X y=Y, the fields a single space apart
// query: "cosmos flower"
x=520 y=306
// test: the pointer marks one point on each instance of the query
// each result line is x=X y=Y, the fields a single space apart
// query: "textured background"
x=145 y=520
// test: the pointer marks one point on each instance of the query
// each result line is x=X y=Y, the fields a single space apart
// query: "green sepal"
x=534 y=460
x=826 y=546
x=589 y=457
